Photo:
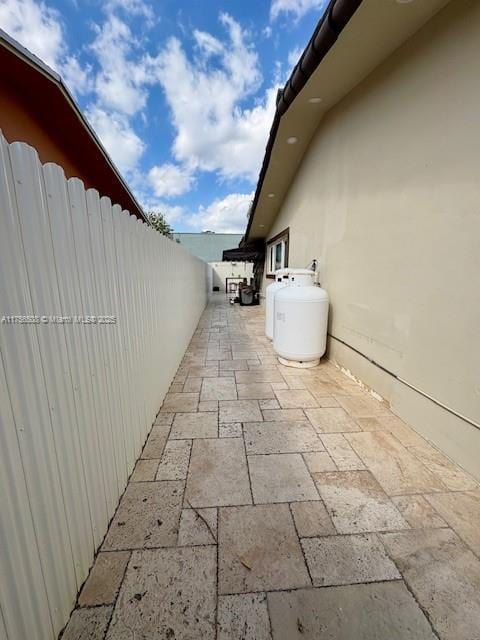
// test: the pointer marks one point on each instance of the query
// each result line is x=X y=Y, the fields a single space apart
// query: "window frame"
x=282 y=239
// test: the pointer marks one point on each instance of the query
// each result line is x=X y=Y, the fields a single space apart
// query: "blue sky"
x=181 y=93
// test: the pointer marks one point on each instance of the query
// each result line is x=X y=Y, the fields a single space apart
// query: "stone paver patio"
x=275 y=503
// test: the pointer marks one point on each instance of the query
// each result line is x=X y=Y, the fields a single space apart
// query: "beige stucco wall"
x=388 y=199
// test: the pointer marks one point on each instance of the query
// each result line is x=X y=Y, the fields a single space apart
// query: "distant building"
x=208 y=246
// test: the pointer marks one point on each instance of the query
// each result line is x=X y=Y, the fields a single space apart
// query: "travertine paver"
x=452 y=477
x=444 y=576
x=312 y=519
x=192 y=384
x=208 y=405
x=105 y=578
x=418 y=512
x=281 y=437
x=243 y=355
x=270 y=404
x=198 y=527
x=361 y=406
x=269 y=375
x=462 y=512
x=357 y=503
x=323 y=387
x=279 y=415
x=295 y=381
x=167 y=593
x=280 y=478
x=219 y=355
x=319 y=461
x=352 y=483
x=396 y=469
x=179 y=402
x=331 y=420
x=203 y=424
x=233 y=365
x=218 y=473
x=279 y=385
x=156 y=442
x=147 y=516
x=163 y=418
x=203 y=372
x=377 y=611
x=259 y=550
x=336 y=560
x=88 y=624
x=325 y=401
x=255 y=391
x=218 y=389
x=145 y=470
x=230 y=430
x=243 y=616
x=175 y=460
x=341 y=452
x=405 y=434
x=239 y=411
x=295 y=399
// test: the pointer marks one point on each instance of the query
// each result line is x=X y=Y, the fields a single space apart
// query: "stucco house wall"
x=387 y=198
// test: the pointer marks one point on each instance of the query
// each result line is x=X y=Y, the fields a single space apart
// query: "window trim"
x=282 y=236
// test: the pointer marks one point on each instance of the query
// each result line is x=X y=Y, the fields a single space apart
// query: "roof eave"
x=335 y=18
x=54 y=77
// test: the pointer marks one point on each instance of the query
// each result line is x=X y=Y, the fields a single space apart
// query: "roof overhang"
x=253 y=251
x=45 y=89
x=351 y=40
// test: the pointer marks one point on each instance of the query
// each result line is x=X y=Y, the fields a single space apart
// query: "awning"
x=250 y=252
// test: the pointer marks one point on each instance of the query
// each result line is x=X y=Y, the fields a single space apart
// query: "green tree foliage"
x=158 y=222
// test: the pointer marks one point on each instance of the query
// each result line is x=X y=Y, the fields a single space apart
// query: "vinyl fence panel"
x=96 y=312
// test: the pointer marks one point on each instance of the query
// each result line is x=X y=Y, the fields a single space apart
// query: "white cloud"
x=214 y=132
x=208 y=44
x=226 y=215
x=294 y=56
x=172 y=213
x=77 y=78
x=36 y=26
x=170 y=180
x=297 y=7
x=39 y=29
x=118 y=137
x=120 y=83
x=223 y=215
x=132 y=7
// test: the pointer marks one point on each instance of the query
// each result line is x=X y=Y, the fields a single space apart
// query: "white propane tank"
x=281 y=280
x=301 y=316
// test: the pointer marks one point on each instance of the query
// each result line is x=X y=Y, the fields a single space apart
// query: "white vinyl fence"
x=77 y=398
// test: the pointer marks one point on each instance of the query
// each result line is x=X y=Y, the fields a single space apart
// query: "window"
x=277 y=253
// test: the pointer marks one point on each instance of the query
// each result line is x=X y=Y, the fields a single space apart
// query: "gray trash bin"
x=247 y=296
